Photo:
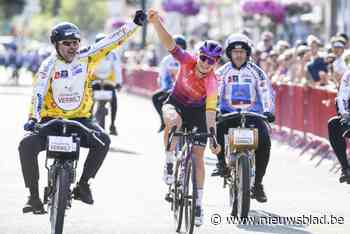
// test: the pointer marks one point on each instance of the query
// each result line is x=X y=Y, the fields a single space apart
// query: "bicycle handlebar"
x=236 y=114
x=192 y=134
x=240 y=113
x=39 y=128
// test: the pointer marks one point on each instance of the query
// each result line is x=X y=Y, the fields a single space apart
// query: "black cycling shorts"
x=98 y=86
x=191 y=117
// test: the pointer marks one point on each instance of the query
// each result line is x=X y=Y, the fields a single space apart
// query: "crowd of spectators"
x=14 y=60
x=308 y=62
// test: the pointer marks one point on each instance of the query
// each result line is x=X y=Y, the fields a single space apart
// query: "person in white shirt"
x=339 y=66
x=110 y=71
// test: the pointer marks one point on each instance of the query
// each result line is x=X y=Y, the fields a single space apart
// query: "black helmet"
x=180 y=41
x=64 y=31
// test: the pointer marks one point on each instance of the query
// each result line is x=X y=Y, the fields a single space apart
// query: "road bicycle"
x=182 y=193
x=102 y=95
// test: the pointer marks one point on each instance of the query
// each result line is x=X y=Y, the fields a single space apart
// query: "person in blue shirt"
x=168 y=68
x=244 y=85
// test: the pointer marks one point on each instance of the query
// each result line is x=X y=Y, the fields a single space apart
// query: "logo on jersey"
x=77 y=69
x=69 y=98
x=60 y=74
x=232 y=79
x=39 y=102
x=42 y=75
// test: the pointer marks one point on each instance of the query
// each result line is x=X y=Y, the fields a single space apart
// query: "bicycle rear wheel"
x=242 y=201
x=59 y=201
x=190 y=195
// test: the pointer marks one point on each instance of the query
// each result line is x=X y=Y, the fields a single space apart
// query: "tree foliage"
x=89 y=16
x=11 y=7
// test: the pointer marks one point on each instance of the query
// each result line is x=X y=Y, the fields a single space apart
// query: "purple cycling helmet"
x=211 y=49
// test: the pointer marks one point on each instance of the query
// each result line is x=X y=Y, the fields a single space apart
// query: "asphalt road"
x=129 y=192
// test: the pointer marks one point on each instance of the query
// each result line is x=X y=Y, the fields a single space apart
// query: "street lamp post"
x=144 y=29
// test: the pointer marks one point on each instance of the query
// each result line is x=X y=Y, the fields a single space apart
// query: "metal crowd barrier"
x=302 y=112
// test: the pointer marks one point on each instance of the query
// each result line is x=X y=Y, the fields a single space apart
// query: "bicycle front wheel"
x=59 y=201
x=177 y=204
x=243 y=187
x=190 y=195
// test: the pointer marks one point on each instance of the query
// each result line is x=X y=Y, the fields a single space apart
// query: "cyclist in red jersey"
x=193 y=100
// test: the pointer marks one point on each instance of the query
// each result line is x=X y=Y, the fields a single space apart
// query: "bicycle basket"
x=242 y=139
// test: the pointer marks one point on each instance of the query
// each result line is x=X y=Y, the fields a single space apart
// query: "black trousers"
x=338 y=143
x=262 y=153
x=32 y=144
x=158 y=99
x=114 y=101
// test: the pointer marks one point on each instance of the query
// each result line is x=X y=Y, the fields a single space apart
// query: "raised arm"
x=164 y=36
x=97 y=51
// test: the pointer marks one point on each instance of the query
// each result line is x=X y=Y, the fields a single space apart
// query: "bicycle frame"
x=181 y=194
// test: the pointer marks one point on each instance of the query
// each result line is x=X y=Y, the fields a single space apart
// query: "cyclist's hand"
x=29 y=126
x=153 y=16
x=270 y=117
x=140 y=18
x=215 y=150
x=118 y=87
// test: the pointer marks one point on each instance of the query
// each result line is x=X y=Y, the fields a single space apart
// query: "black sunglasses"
x=209 y=60
x=69 y=43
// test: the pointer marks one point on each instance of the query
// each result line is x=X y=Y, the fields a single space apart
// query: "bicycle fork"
x=50 y=189
x=233 y=160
